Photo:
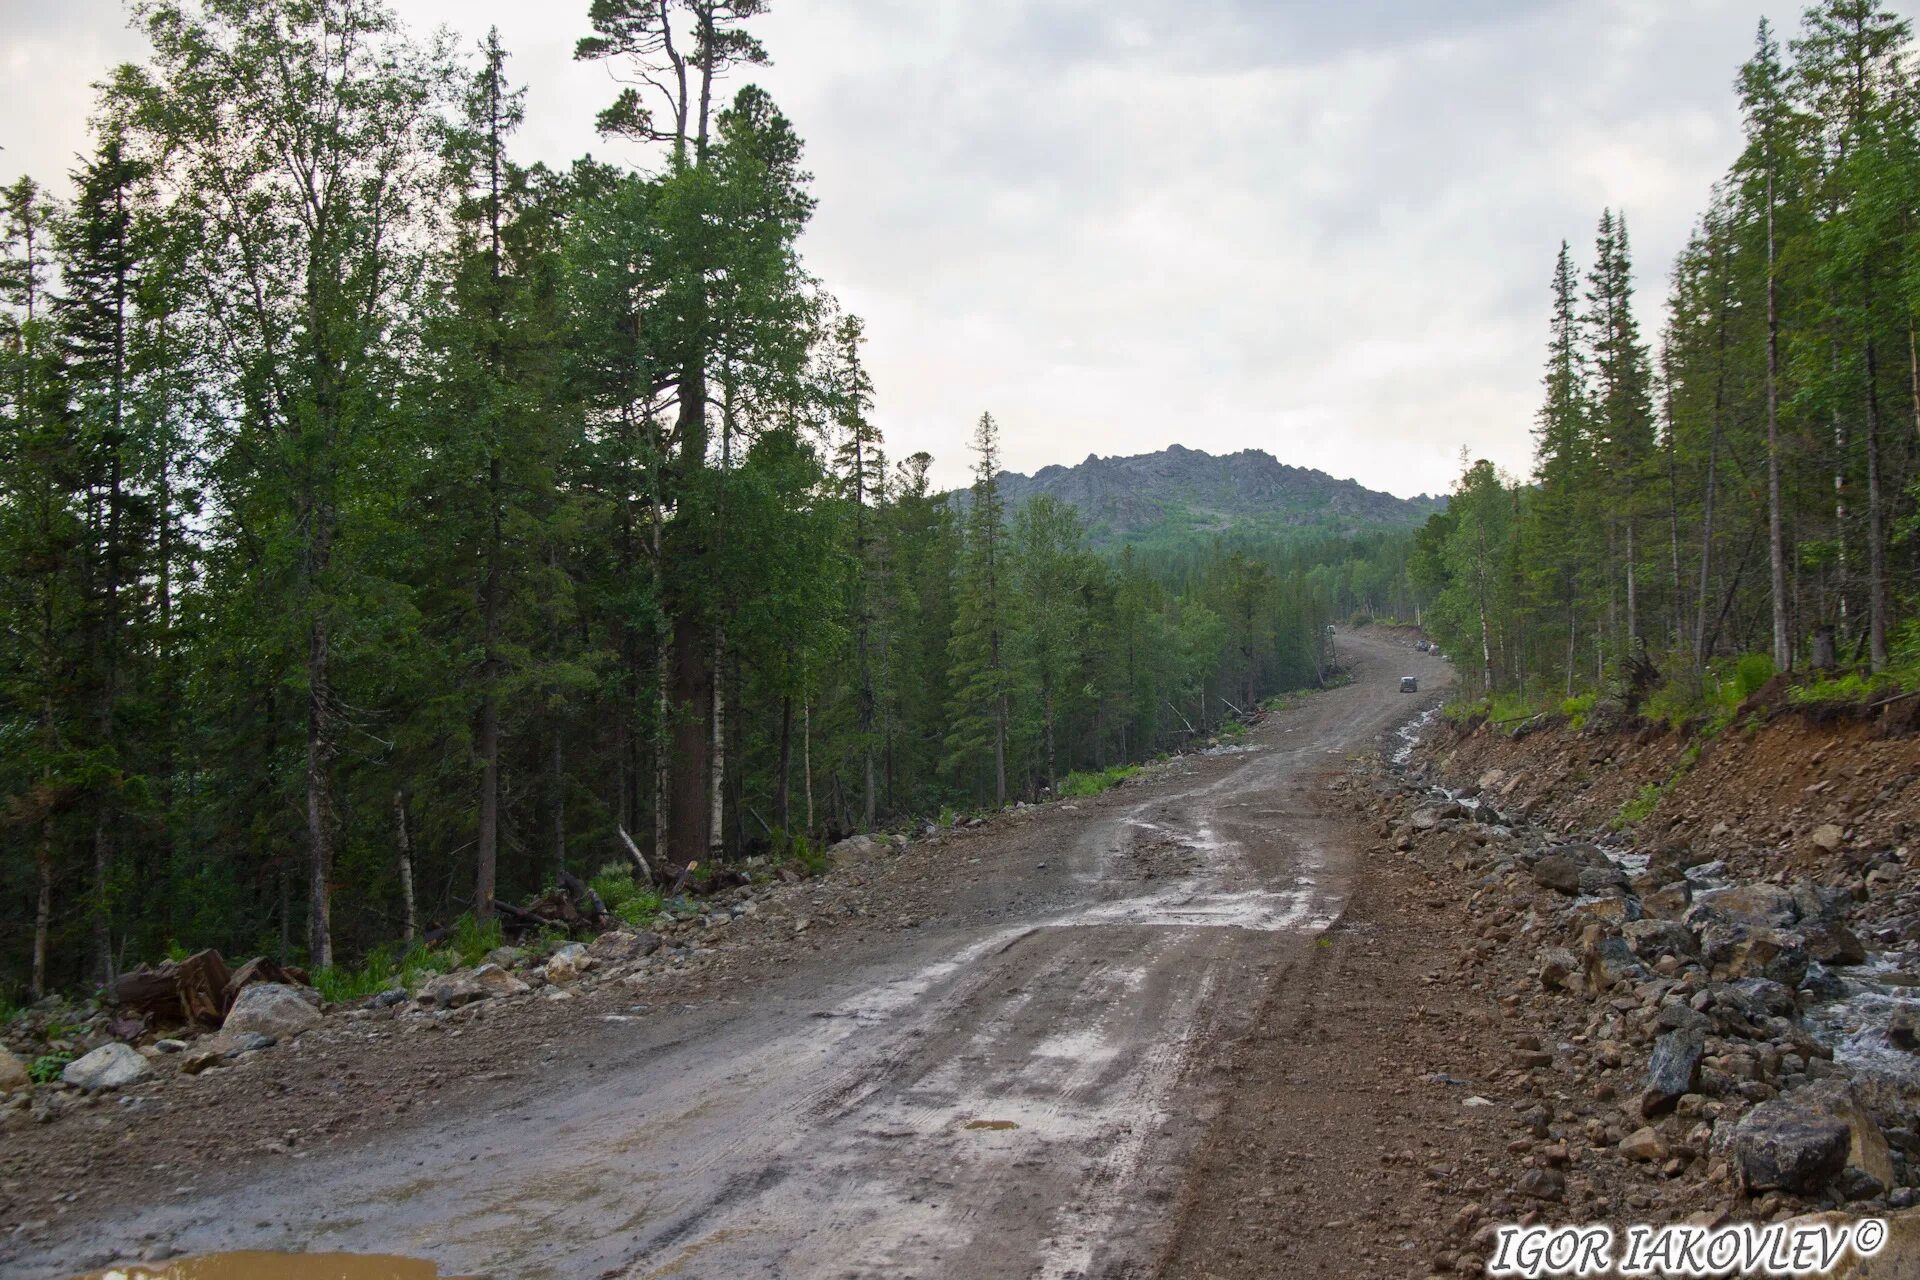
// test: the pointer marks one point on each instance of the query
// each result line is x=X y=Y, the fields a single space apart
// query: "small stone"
x=568 y=961
x=1643 y=1144
x=1557 y=964
x=1827 y=837
x=1542 y=1184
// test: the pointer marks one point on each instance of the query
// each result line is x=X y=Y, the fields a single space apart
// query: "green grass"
x=1092 y=783
x=1648 y=797
x=1575 y=709
x=47 y=1068
x=1848 y=687
x=631 y=902
x=1641 y=806
x=383 y=969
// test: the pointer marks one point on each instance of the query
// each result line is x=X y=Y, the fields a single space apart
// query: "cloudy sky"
x=1324 y=230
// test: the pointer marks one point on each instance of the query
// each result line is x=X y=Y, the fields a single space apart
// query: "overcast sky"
x=1320 y=229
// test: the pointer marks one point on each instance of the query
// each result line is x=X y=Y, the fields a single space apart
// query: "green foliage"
x=1575 y=709
x=1751 y=673
x=358 y=472
x=46 y=1068
x=471 y=939
x=1846 y=687
x=629 y=900
x=1640 y=806
x=1093 y=782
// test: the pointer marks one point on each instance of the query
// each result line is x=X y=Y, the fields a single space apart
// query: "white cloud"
x=1322 y=230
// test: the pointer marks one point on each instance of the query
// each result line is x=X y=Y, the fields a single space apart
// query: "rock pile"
x=1683 y=1000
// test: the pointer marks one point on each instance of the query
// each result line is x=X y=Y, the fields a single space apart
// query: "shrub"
x=1643 y=803
x=1575 y=708
x=1093 y=783
x=1751 y=673
x=471 y=940
x=809 y=855
x=47 y=1068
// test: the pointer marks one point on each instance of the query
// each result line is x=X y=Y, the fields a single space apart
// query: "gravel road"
x=1014 y=1088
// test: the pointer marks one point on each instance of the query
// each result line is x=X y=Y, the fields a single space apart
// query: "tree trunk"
x=102 y=912
x=486 y=870
x=717 y=795
x=42 y=907
x=1000 y=751
x=1633 y=589
x=319 y=829
x=783 y=796
x=806 y=758
x=559 y=803
x=1052 y=772
x=408 y=921
x=1776 y=532
x=1876 y=518
x=690 y=800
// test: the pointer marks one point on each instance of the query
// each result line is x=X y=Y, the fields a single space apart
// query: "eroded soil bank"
x=1534 y=1011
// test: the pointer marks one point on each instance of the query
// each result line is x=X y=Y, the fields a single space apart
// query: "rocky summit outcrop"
x=1124 y=496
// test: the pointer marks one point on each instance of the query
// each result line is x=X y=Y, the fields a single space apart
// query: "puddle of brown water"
x=278 y=1266
x=993 y=1124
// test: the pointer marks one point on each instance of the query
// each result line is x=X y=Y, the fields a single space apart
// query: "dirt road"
x=1015 y=1088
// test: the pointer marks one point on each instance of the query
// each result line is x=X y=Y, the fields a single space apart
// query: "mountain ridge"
x=1179 y=490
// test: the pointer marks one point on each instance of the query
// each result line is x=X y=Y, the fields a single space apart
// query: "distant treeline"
x=1751 y=485
x=386 y=525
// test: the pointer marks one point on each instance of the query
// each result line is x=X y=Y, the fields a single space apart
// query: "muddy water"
x=278 y=1266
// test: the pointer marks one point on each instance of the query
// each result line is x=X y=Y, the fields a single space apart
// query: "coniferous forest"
x=389 y=526
x=1740 y=495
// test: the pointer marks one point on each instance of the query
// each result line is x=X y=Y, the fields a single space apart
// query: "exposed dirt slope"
x=1741 y=794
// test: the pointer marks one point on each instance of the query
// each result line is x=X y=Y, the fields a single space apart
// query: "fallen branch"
x=639 y=860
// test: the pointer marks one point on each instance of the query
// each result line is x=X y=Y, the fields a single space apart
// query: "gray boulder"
x=1788 y=1146
x=1611 y=961
x=1756 y=903
x=622 y=945
x=271 y=1009
x=1672 y=1070
x=1651 y=939
x=1669 y=902
x=854 y=850
x=568 y=961
x=108 y=1067
x=13 y=1073
x=1602 y=879
x=1557 y=872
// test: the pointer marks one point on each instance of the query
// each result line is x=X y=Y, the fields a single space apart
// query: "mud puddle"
x=278 y=1266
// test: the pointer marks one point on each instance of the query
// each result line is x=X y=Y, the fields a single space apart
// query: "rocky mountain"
x=1180 y=491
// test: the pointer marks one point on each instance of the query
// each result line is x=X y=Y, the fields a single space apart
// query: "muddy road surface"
x=1013 y=1088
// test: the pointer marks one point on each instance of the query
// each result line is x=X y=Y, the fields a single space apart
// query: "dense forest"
x=387 y=525
x=1751 y=484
